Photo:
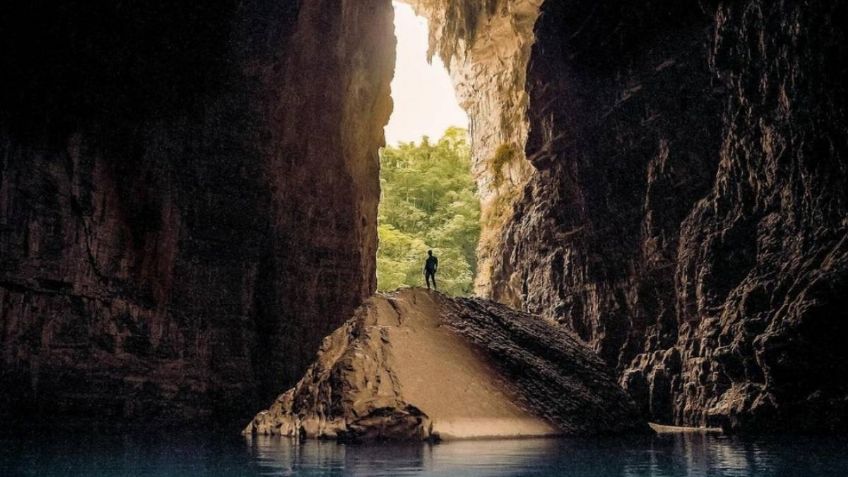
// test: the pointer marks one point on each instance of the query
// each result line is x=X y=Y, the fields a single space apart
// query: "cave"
x=188 y=197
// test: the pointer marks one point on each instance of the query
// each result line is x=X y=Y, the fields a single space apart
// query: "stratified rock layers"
x=188 y=200
x=418 y=365
x=687 y=211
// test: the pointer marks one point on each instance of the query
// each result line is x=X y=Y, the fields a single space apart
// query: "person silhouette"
x=430 y=268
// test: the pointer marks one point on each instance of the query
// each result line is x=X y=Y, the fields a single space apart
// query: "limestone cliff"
x=188 y=199
x=418 y=365
x=686 y=211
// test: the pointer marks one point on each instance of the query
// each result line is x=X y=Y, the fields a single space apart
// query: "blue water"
x=659 y=456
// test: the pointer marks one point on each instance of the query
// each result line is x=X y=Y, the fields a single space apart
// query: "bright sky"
x=425 y=102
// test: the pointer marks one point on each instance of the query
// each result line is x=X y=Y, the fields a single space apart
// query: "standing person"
x=430 y=268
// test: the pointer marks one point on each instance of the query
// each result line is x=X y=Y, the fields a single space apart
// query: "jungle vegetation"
x=429 y=201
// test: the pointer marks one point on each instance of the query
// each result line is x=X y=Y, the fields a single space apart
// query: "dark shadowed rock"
x=687 y=211
x=188 y=198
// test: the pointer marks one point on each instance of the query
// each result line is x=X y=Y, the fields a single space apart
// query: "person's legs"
x=433 y=275
x=427 y=279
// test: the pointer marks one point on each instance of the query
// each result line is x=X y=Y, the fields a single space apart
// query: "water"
x=660 y=456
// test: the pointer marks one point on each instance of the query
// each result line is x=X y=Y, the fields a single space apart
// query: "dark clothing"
x=430 y=276
x=430 y=267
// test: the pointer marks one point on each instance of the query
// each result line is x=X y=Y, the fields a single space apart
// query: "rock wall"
x=188 y=200
x=686 y=214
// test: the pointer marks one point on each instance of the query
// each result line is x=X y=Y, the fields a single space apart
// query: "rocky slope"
x=187 y=200
x=418 y=365
x=686 y=210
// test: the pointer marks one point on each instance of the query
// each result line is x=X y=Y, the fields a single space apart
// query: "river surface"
x=687 y=454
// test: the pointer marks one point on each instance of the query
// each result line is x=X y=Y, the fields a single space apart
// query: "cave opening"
x=429 y=196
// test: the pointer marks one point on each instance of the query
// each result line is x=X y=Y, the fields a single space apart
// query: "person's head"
x=430 y=253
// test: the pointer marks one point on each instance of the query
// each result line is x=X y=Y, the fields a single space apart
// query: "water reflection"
x=672 y=455
x=492 y=457
x=687 y=454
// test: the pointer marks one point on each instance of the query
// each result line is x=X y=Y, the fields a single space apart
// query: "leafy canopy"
x=429 y=201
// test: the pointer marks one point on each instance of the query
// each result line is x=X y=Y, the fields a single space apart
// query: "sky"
x=424 y=99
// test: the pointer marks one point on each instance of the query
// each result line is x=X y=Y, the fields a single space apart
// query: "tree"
x=429 y=201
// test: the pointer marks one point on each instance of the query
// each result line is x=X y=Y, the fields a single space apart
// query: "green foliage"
x=500 y=209
x=429 y=201
x=504 y=154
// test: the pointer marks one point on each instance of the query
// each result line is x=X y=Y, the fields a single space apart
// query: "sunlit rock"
x=419 y=365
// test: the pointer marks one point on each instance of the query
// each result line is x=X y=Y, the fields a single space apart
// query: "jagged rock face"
x=187 y=199
x=762 y=267
x=419 y=365
x=686 y=215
